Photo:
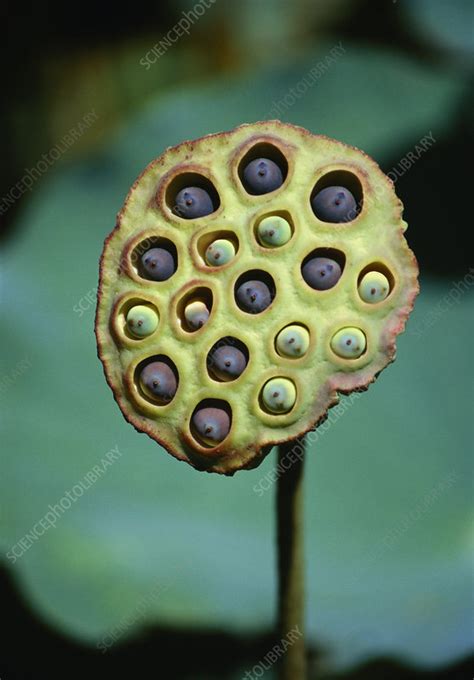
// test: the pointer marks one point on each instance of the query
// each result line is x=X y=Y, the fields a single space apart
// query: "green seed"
x=219 y=252
x=196 y=314
x=274 y=231
x=374 y=287
x=142 y=320
x=349 y=343
x=279 y=395
x=292 y=341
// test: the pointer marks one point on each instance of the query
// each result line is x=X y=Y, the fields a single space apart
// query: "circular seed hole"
x=337 y=197
x=198 y=203
x=227 y=359
x=293 y=341
x=154 y=259
x=349 y=343
x=274 y=229
x=278 y=396
x=194 y=309
x=323 y=268
x=274 y=178
x=211 y=422
x=137 y=319
x=157 y=379
x=254 y=291
x=375 y=283
x=218 y=248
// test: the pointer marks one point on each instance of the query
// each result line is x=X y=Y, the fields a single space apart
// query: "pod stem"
x=289 y=504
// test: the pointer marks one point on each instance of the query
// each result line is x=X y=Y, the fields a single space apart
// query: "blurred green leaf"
x=206 y=542
x=450 y=25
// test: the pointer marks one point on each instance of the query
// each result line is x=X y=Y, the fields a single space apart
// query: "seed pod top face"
x=370 y=240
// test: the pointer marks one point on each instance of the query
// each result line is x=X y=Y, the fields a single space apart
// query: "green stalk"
x=291 y=559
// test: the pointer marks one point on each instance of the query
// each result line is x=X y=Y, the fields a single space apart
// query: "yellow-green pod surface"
x=372 y=241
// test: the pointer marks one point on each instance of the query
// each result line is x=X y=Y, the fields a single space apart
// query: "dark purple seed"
x=211 y=424
x=227 y=362
x=193 y=202
x=253 y=296
x=158 y=264
x=262 y=176
x=158 y=381
x=334 y=204
x=321 y=273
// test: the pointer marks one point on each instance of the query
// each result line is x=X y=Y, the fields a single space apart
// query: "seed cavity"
x=278 y=395
x=374 y=287
x=349 y=343
x=293 y=341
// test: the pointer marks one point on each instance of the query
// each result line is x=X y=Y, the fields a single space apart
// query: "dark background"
x=62 y=62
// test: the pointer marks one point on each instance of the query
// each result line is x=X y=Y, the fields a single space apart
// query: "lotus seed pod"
x=196 y=314
x=274 y=231
x=349 y=343
x=279 y=395
x=142 y=321
x=260 y=319
x=374 y=287
x=219 y=252
x=293 y=341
